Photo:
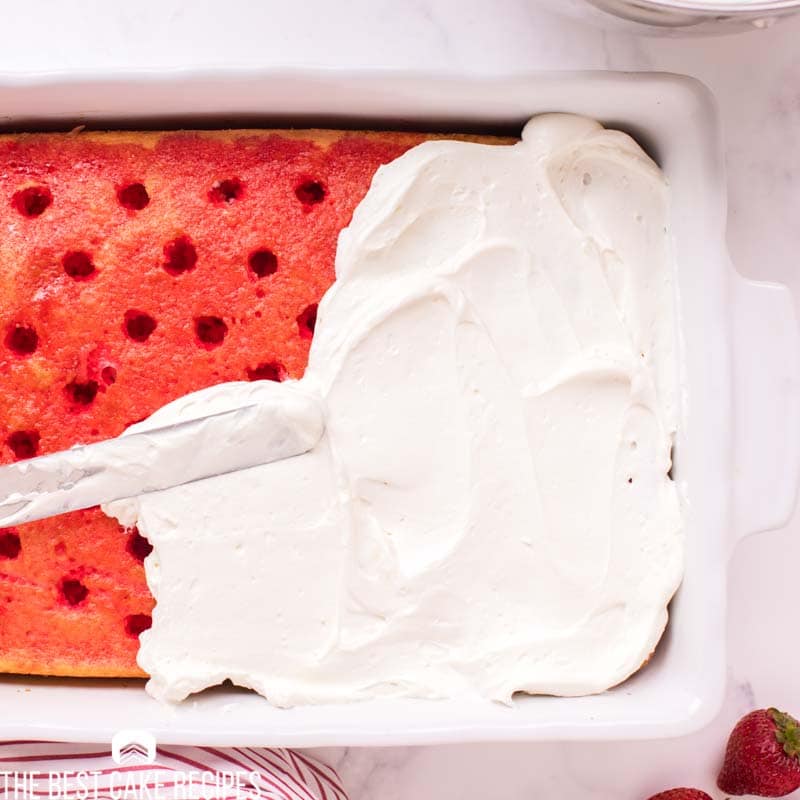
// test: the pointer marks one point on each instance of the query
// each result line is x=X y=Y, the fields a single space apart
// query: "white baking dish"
x=736 y=456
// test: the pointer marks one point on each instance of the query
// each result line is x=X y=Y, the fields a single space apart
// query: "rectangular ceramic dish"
x=736 y=456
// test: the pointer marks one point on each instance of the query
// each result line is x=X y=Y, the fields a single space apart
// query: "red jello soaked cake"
x=135 y=268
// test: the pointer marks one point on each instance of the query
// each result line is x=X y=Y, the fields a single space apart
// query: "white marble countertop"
x=756 y=78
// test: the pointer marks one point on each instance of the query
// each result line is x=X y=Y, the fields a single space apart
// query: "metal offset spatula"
x=269 y=429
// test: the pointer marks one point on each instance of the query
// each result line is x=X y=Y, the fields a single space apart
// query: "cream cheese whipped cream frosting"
x=489 y=509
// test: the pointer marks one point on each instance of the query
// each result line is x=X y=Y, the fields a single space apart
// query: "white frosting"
x=489 y=509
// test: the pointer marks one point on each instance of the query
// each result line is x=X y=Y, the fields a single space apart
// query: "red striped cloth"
x=50 y=771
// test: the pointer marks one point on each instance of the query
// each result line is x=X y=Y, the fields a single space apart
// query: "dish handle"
x=766 y=406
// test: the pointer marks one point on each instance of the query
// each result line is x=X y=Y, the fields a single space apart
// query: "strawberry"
x=681 y=794
x=763 y=755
